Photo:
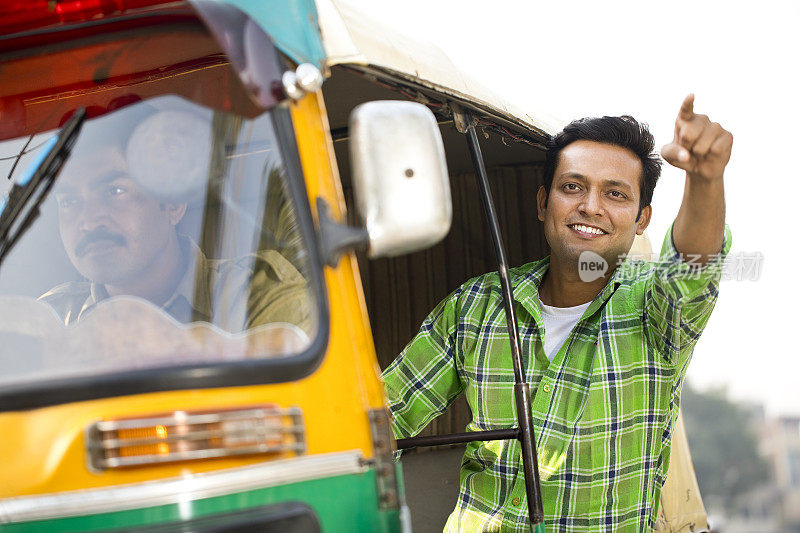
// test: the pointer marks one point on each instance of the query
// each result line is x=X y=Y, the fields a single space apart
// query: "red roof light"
x=23 y=15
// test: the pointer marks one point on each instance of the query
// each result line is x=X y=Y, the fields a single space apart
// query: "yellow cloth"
x=682 y=509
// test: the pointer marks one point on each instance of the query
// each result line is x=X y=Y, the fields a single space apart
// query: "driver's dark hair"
x=622 y=131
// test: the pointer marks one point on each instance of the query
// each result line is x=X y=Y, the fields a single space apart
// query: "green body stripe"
x=342 y=503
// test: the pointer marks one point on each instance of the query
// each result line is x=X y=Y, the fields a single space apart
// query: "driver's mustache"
x=100 y=234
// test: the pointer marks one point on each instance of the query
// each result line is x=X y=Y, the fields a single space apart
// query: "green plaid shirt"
x=603 y=409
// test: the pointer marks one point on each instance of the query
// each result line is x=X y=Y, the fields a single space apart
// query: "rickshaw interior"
x=401 y=291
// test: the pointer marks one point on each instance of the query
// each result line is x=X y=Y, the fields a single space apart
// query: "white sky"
x=575 y=59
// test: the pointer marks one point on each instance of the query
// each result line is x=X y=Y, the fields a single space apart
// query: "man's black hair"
x=622 y=131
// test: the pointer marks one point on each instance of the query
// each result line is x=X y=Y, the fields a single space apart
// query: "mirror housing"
x=400 y=178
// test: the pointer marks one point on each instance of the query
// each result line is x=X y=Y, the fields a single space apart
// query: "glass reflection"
x=177 y=241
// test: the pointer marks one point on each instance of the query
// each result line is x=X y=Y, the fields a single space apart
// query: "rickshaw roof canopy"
x=352 y=38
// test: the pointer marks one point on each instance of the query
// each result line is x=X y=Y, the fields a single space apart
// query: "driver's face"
x=112 y=231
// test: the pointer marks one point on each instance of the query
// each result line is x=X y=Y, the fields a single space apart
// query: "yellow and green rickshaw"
x=184 y=295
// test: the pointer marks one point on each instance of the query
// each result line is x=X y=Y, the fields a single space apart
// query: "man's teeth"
x=588 y=229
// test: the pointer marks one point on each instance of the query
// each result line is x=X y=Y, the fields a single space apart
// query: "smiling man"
x=605 y=358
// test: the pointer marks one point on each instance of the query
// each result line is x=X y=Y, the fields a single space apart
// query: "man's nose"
x=591 y=204
x=94 y=214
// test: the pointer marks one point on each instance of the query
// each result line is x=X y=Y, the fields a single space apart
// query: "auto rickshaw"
x=185 y=334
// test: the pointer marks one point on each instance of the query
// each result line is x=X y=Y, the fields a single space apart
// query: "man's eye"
x=617 y=194
x=571 y=186
x=115 y=190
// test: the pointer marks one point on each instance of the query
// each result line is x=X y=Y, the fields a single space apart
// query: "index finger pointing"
x=687 y=108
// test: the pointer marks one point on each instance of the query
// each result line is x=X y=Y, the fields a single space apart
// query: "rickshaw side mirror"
x=400 y=178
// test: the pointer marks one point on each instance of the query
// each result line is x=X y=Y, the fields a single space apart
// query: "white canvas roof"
x=351 y=38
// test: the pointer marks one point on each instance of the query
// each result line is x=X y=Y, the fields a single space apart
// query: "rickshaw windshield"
x=169 y=238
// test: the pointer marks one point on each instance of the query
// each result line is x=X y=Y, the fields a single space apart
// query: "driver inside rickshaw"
x=123 y=238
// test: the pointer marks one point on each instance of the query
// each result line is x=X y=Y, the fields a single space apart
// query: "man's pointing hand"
x=700 y=147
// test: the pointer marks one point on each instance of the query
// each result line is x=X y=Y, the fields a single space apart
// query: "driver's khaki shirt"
x=235 y=294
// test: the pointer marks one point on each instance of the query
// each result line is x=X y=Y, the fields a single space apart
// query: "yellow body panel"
x=322 y=180
x=43 y=450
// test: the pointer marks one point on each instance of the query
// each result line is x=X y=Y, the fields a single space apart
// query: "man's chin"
x=575 y=254
x=103 y=274
x=574 y=251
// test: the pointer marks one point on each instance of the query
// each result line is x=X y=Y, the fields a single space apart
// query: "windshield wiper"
x=20 y=208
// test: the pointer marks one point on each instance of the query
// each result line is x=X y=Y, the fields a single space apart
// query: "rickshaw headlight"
x=185 y=436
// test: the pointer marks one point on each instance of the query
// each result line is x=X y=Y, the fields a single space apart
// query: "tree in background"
x=724 y=445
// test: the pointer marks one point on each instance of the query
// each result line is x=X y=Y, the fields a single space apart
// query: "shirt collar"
x=526 y=281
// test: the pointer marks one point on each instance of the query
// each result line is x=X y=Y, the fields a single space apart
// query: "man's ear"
x=541 y=202
x=175 y=212
x=644 y=220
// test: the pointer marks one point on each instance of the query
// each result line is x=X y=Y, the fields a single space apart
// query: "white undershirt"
x=558 y=323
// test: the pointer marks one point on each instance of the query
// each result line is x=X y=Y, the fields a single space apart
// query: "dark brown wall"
x=400 y=292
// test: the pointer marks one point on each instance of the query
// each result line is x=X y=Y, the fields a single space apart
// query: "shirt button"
x=546 y=387
x=515 y=501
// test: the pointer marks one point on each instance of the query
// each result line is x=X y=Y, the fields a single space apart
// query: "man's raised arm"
x=702 y=148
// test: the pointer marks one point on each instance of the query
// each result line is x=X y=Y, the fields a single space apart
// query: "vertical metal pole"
x=522 y=399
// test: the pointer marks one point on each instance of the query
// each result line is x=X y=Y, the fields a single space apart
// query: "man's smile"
x=587 y=231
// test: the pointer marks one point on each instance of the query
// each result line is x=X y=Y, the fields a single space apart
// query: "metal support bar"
x=457 y=438
x=521 y=393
